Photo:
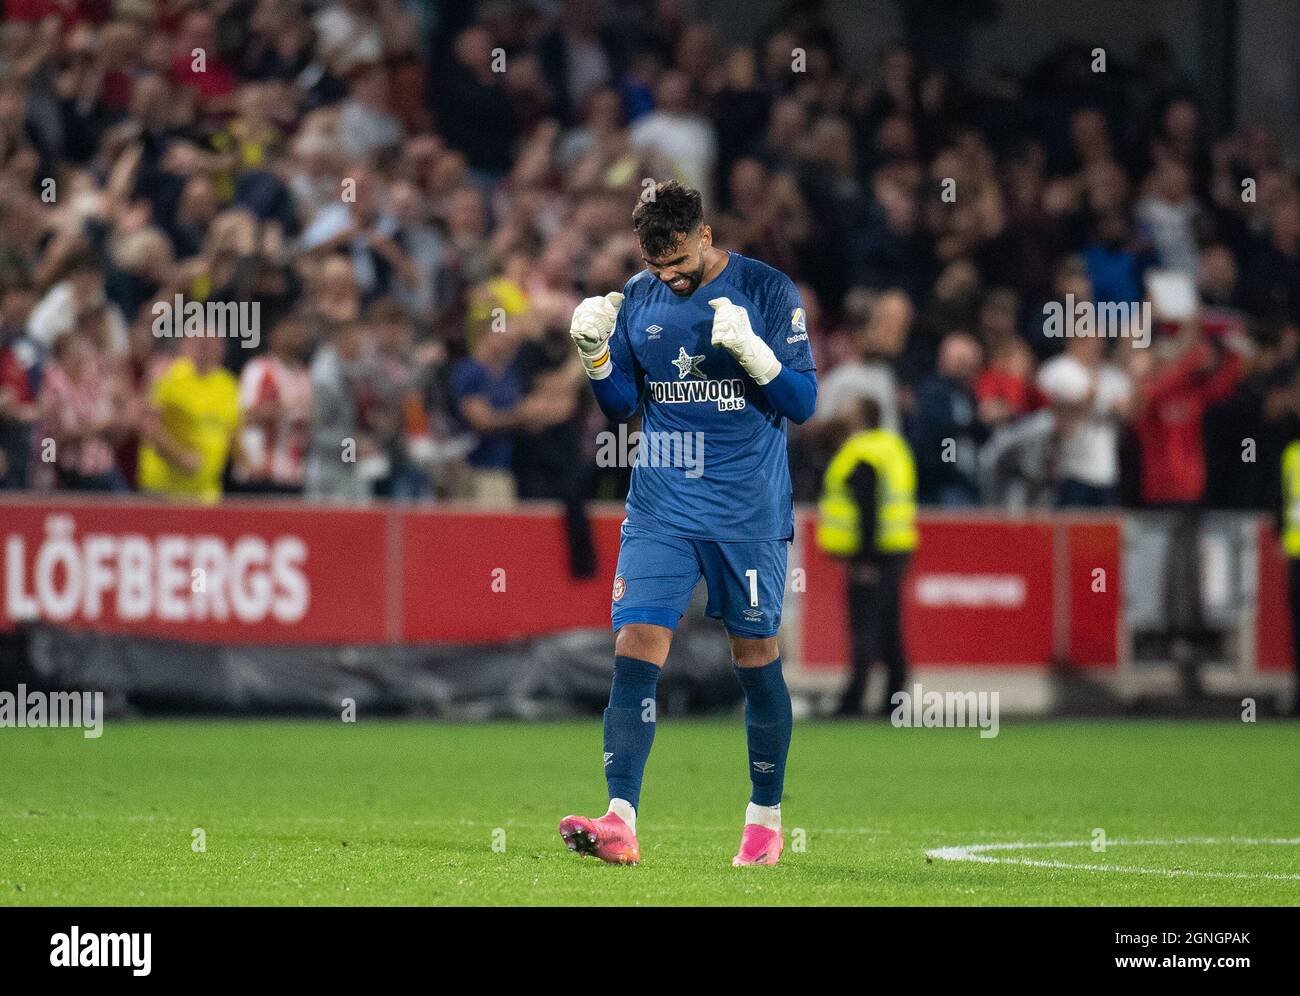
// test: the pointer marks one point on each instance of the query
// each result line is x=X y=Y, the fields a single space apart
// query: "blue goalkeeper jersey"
x=712 y=462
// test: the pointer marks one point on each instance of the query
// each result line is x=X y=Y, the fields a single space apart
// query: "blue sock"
x=629 y=726
x=768 y=722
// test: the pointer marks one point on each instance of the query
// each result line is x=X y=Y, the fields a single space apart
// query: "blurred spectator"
x=405 y=372
x=1088 y=464
x=1114 y=268
x=1261 y=409
x=767 y=218
x=486 y=395
x=1005 y=389
x=575 y=56
x=193 y=424
x=348 y=35
x=947 y=429
x=1169 y=212
x=349 y=419
x=547 y=458
x=1187 y=374
x=79 y=293
x=678 y=136
x=895 y=250
x=870 y=373
x=275 y=406
x=1021 y=464
x=474 y=108
x=19 y=380
x=1273 y=261
x=82 y=411
x=365 y=125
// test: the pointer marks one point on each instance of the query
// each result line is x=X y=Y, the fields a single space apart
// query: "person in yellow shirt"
x=194 y=424
x=867 y=517
x=1288 y=523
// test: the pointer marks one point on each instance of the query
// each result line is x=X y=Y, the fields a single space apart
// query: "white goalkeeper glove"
x=732 y=331
x=592 y=325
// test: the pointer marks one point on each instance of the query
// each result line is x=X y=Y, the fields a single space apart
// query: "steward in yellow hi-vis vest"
x=840 y=527
x=1291 y=499
x=867 y=515
x=1289 y=527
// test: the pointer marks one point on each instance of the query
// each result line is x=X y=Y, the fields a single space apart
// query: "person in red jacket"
x=1191 y=371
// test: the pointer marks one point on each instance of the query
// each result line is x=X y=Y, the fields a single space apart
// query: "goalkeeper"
x=712 y=346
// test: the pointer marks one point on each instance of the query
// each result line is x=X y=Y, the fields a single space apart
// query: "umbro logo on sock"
x=763 y=766
x=608 y=757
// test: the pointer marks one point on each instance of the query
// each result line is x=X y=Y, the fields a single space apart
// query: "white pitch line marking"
x=977 y=853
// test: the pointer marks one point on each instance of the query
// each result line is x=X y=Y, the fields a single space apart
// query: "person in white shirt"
x=79 y=293
x=681 y=139
x=1089 y=460
x=1168 y=214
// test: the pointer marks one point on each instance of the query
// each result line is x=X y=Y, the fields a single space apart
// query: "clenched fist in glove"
x=732 y=331
x=592 y=325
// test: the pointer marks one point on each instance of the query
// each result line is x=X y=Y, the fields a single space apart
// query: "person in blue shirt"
x=486 y=395
x=712 y=348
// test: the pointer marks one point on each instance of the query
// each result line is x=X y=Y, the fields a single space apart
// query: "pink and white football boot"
x=608 y=838
x=759 y=845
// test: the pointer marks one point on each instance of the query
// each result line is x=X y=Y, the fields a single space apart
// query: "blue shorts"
x=656 y=574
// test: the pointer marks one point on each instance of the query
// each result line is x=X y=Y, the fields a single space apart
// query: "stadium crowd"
x=416 y=196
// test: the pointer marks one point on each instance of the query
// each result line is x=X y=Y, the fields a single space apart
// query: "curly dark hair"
x=661 y=222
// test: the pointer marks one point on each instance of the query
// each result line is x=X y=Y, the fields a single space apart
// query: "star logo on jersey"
x=687 y=365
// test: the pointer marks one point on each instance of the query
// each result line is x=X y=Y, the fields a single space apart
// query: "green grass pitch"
x=382 y=812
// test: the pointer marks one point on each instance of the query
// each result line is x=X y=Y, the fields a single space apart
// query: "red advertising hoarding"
x=981 y=591
x=1272 y=616
x=986 y=592
x=478 y=577
x=234 y=573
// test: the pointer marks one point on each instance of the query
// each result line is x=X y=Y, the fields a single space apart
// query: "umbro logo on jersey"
x=763 y=767
x=654 y=330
